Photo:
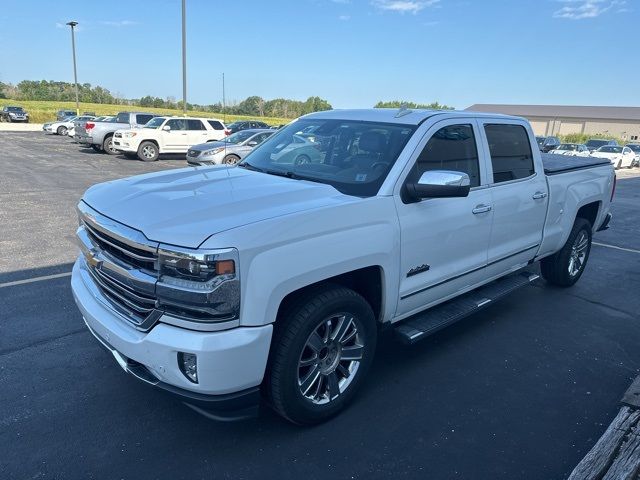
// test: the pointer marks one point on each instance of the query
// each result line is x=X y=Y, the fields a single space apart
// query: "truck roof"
x=401 y=116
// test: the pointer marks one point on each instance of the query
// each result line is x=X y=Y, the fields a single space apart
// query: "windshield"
x=567 y=146
x=155 y=122
x=635 y=148
x=353 y=156
x=15 y=109
x=234 y=125
x=238 y=137
x=610 y=149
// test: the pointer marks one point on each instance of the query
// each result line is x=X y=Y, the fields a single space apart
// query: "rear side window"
x=215 y=125
x=122 y=118
x=143 y=119
x=451 y=148
x=195 y=125
x=511 y=156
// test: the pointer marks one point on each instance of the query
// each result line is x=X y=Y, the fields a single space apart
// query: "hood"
x=184 y=207
x=203 y=147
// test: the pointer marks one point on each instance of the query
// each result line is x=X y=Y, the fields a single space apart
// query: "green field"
x=44 y=111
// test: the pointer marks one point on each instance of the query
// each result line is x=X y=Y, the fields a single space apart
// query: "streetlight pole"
x=75 y=72
x=184 y=59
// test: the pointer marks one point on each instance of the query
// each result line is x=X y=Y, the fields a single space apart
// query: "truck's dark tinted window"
x=510 y=150
x=450 y=148
x=195 y=125
x=215 y=125
x=143 y=119
x=123 y=117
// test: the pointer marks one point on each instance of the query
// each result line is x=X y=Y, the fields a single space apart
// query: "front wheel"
x=231 y=160
x=148 y=152
x=565 y=267
x=323 y=346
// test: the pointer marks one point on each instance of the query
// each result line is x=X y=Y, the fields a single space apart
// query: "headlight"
x=200 y=285
x=129 y=134
x=11 y=114
x=208 y=153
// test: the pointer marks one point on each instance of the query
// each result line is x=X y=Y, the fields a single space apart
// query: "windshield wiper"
x=248 y=166
x=279 y=173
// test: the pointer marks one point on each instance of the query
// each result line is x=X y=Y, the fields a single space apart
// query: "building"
x=620 y=122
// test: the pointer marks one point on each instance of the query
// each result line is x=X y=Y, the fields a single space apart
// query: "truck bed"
x=555 y=164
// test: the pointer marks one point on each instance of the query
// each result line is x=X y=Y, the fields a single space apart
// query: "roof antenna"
x=404 y=110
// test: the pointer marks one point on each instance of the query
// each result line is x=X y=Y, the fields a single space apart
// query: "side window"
x=195 y=125
x=177 y=124
x=511 y=156
x=215 y=125
x=451 y=148
x=143 y=119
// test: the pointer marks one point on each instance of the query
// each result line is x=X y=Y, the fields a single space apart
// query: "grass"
x=45 y=111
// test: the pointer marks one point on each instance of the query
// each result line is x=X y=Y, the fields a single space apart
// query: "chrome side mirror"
x=439 y=184
x=166 y=128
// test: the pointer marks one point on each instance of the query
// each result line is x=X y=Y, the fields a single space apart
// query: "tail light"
x=227 y=132
x=89 y=125
x=613 y=190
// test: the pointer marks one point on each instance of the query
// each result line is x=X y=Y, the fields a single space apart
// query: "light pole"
x=75 y=72
x=184 y=59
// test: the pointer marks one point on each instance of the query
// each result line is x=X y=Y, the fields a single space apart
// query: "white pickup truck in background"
x=223 y=285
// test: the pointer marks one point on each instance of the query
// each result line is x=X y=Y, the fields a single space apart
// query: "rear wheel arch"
x=589 y=212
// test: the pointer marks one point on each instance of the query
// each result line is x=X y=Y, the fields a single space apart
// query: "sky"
x=351 y=52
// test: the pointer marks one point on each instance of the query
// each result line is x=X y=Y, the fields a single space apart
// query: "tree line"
x=254 y=106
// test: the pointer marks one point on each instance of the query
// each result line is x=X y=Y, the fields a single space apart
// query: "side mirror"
x=166 y=128
x=439 y=184
x=252 y=143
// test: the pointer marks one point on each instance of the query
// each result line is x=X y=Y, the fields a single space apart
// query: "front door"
x=177 y=139
x=444 y=241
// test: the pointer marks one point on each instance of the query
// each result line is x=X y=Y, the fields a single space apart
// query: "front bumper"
x=231 y=363
x=125 y=145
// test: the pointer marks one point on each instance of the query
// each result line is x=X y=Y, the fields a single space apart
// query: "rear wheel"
x=565 y=267
x=148 y=152
x=323 y=346
x=107 y=146
x=62 y=130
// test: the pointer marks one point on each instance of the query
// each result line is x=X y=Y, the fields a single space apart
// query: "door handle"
x=539 y=195
x=481 y=209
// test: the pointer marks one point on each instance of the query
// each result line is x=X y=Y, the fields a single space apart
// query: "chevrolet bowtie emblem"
x=93 y=261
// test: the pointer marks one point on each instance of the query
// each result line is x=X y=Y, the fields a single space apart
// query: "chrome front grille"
x=123 y=265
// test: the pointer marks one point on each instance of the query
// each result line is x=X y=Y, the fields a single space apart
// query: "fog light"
x=188 y=363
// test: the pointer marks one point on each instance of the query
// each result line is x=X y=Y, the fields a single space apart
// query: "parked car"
x=297 y=150
x=636 y=150
x=217 y=283
x=64 y=114
x=572 y=149
x=167 y=135
x=99 y=135
x=594 y=144
x=14 y=114
x=619 y=156
x=244 y=125
x=229 y=150
x=546 y=144
x=63 y=127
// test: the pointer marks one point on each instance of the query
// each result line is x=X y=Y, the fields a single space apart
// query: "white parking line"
x=35 y=279
x=616 y=248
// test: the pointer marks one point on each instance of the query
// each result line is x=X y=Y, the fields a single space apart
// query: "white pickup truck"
x=224 y=285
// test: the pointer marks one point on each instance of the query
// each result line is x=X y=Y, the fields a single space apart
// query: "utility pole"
x=184 y=59
x=75 y=72
x=224 y=103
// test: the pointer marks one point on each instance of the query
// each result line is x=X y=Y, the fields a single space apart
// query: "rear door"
x=198 y=133
x=519 y=194
x=444 y=241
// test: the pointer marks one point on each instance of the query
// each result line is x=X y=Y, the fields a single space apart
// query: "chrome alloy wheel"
x=330 y=359
x=148 y=151
x=578 y=253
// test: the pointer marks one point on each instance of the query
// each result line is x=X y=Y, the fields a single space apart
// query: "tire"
x=306 y=332
x=62 y=130
x=619 y=165
x=302 y=160
x=96 y=148
x=148 y=152
x=560 y=268
x=231 y=160
x=107 y=146
x=131 y=156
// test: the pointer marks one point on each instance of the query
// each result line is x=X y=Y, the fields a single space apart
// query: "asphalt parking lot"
x=521 y=390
